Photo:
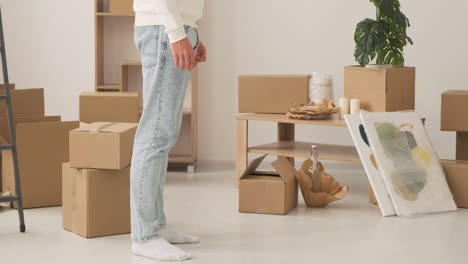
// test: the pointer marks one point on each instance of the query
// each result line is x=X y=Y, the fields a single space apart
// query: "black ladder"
x=6 y=96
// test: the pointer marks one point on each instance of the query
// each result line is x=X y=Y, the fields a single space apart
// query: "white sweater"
x=173 y=14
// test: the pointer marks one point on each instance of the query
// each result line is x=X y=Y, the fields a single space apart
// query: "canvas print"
x=376 y=180
x=410 y=168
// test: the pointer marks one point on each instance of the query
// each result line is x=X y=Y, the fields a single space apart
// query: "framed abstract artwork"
x=376 y=180
x=407 y=162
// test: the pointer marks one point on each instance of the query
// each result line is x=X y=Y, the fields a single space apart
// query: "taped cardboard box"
x=25 y=103
x=42 y=145
x=268 y=192
x=121 y=6
x=272 y=93
x=456 y=173
x=110 y=107
x=96 y=202
x=381 y=90
x=102 y=145
x=454 y=110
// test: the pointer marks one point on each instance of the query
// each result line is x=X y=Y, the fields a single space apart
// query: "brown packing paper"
x=332 y=191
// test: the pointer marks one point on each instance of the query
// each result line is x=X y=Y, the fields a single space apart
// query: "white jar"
x=320 y=87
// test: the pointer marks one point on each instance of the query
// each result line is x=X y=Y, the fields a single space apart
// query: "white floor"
x=205 y=204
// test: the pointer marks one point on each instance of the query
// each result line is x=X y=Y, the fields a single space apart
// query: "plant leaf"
x=369 y=36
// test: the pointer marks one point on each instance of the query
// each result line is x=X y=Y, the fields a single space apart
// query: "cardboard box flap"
x=461 y=92
x=3 y=141
x=284 y=168
x=253 y=166
x=106 y=127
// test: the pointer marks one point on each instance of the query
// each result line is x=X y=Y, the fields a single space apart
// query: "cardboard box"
x=454 y=110
x=268 y=192
x=121 y=6
x=12 y=86
x=381 y=90
x=102 y=145
x=462 y=146
x=25 y=103
x=110 y=107
x=42 y=145
x=272 y=93
x=96 y=202
x=456 y=173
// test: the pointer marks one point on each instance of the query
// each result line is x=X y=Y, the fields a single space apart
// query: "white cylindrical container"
x=320 y=87
x=354 y=106
x=344 y=105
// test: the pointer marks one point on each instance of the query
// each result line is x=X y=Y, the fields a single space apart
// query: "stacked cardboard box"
x=110 y=107
x=96 y=181
x=42 y=148
x=453 y=118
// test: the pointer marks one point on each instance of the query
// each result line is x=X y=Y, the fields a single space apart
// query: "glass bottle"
x=315 y=171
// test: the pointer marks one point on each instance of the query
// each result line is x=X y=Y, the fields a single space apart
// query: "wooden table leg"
x=242 y=146
x=286 y=132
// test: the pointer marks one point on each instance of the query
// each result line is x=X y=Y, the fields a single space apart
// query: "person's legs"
x=164 y=88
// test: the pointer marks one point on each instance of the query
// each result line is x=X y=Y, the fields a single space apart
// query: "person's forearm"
x=172 y=19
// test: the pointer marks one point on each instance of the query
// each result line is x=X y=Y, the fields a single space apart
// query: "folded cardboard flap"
x=110 y=107
x=456 y=173
x=106 y=127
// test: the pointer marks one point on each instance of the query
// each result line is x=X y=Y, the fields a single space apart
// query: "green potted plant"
x=386 y=85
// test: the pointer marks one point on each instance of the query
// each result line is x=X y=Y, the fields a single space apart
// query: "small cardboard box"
x=381 y=90
x=110 y=107
x=42 y=145
x=454 y=111
x=102 y=145
x=272 y=93
x=96 y=202
x=121 y=6
x=268 y=192
x=456 y=173
x=25 y=103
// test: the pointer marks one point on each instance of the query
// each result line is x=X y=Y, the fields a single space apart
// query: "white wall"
x=51 y=44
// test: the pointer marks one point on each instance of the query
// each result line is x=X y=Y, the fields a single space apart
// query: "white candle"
x=355 y=106
x=344 y=105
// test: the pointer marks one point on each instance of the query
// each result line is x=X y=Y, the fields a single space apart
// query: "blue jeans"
x=164 y=87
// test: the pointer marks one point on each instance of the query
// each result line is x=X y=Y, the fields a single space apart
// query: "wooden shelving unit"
x=186 y=149
x=286 y=145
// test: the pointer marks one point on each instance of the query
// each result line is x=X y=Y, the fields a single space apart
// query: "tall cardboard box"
x=454 y=111
x=268 y=192
x=456 y=173
x=96 y=202
x=25 y=103
x=102 y=145
x=42 y=146
x=121 y=6
x=110 y=107
x=381 y=90
x=272 y=93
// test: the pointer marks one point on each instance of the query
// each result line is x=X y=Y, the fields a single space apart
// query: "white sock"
x=174 y=237
x=160 y=249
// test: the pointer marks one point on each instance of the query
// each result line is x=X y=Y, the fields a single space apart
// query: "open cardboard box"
x=102 y=145
x=456 y=173
x=96 y=202
x=268 y=192
x=42 y=144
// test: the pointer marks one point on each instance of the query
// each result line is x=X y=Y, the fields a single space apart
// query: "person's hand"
x=201 y=53
x=184 y=56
